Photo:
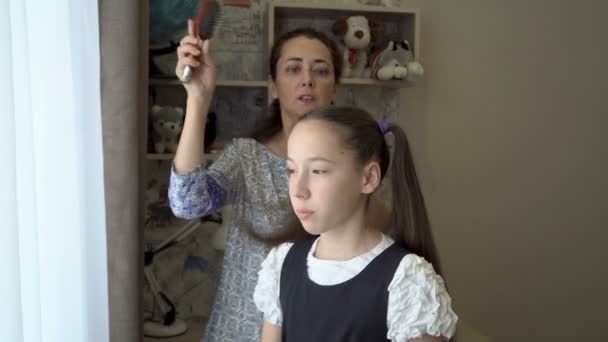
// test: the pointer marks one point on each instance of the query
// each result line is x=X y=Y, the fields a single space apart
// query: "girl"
x=347 y=281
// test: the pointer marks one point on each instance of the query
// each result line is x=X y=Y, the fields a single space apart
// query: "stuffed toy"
x=355 y=34
x=395 y=61
x=167 y=123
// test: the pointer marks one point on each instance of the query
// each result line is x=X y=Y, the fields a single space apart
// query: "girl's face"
x=327 y=187
x=304 y=78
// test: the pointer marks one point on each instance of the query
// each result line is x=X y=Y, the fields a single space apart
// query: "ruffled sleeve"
x=418 y=303
x=266 y=293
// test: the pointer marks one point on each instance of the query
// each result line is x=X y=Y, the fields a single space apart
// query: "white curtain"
x=53 y=259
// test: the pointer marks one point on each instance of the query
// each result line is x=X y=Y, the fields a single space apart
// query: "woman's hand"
x=195 y=53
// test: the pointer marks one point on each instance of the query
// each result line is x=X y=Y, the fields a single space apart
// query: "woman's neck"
x=278 y=142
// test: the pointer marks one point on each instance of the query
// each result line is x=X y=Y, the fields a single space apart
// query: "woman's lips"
x=308 y=99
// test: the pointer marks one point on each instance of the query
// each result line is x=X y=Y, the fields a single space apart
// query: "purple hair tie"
x=384 y=126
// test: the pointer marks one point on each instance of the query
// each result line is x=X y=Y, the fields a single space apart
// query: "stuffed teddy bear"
x=396 y=61
x=355 y=33
x=167 y=123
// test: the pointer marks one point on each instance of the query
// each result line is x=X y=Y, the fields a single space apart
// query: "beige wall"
x=509 y=131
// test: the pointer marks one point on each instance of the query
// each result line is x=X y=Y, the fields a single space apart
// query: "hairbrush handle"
x=207 y=20
x=187 y=74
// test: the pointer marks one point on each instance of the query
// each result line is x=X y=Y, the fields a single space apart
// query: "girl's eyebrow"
x=316 y=159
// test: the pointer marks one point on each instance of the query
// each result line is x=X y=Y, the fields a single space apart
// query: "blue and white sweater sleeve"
x=204 y=191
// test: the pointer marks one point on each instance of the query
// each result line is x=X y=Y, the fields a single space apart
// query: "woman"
x=250 y=174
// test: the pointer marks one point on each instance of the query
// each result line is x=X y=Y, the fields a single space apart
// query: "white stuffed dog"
x=395 y=61
x=355 y=34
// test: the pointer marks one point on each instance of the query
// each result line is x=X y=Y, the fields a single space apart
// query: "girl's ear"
x=371 y=177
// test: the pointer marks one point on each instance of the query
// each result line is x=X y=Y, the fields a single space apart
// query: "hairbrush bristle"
x=207 y=21
x=208 y=18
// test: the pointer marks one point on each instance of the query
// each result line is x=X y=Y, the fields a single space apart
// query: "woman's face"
x=304 y=78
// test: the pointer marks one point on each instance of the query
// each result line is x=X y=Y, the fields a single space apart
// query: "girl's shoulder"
x=276 y=256
x=411 y=266
x=267 y=289
x=417 y=285
x=414 y=269
x=282 y=249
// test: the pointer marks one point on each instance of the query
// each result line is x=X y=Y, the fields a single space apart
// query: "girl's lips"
x=304 y=214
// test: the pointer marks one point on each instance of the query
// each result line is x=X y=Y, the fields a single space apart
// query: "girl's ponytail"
x=410 y=222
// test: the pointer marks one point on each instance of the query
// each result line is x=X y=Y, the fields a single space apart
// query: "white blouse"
x=418 y=303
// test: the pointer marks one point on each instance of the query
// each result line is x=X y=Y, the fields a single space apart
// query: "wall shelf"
x=368 y=82
x=365 y=82
x=329 y=6
x=399 y=24
x=170 y=82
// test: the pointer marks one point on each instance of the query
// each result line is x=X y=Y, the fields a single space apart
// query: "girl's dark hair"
x=410 y=226
x=271 y=123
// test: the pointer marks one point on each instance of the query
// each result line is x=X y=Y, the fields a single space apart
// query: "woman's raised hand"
x=194 y=52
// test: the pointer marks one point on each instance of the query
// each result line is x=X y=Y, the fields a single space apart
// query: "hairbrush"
x=206 y=23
